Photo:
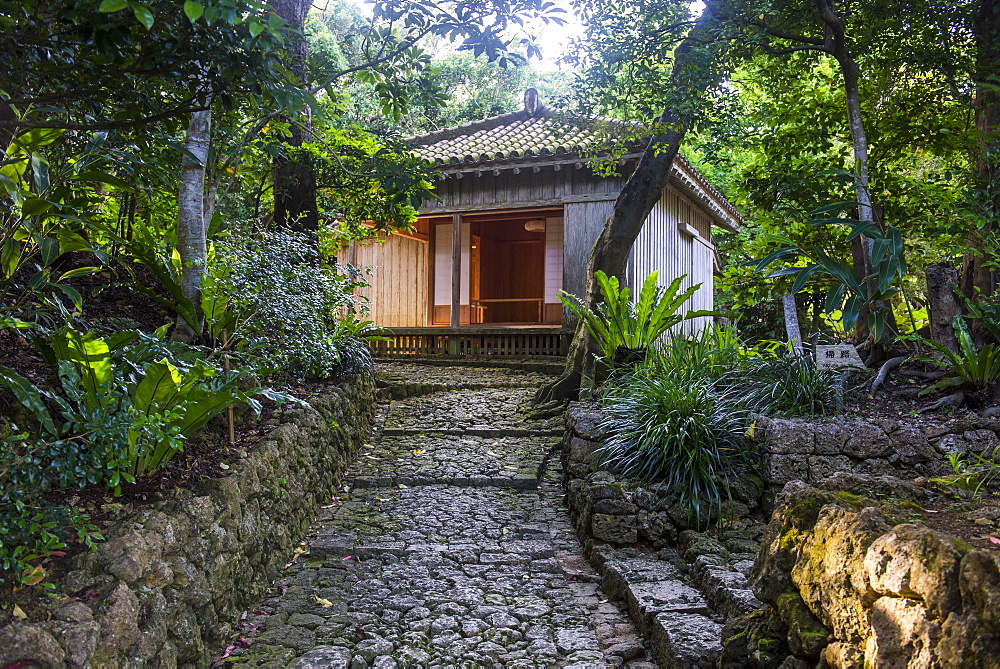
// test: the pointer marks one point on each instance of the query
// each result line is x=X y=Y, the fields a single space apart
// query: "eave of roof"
x=537 y=135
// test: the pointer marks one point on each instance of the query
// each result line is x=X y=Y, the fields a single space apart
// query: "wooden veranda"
x=552 y=340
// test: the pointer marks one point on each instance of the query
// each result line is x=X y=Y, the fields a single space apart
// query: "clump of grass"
x=685 y=435
x=783 y=383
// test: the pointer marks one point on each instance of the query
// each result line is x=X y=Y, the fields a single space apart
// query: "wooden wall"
x=527 y=188
x=397 y=295
x=582 y=225
x=675 y=241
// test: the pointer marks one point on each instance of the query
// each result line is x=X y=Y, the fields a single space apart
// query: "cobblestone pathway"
x=449 y=547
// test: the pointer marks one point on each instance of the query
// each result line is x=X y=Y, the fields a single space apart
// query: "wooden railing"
x=472 y=341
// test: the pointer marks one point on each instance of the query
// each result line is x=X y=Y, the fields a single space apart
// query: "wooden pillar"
x=456 y=279
x=431 y=257
x=456 y=269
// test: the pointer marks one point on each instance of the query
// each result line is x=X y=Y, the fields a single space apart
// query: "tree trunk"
x=942 y=305
x=8 y=125
x=641 y=192
x=836 y=37
x=192 y=227
x=294 y=178
x=977 y=276
x=792 y=330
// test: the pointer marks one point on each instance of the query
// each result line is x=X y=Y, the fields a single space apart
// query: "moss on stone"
x=854 y=502
x=961 y=546
x=807 y=636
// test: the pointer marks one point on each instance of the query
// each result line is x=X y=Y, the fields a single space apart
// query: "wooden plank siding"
x=676 y=241
x=582 y=223
x=524 y=190
x=397 y=294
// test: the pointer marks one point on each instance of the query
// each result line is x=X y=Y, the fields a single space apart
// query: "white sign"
x=838 y=356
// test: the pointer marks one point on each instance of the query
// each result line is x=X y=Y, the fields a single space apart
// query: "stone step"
x=487 y=432
x=515 y=481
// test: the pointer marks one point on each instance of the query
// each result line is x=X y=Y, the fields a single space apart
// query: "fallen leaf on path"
x=19 y=613
x=418 y=451
x=325 y=603
x=994 y=540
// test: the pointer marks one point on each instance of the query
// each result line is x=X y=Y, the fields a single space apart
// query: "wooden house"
x=518 y=211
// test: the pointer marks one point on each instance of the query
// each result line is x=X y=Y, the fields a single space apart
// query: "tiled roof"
x=533 y=131
x=539 y=134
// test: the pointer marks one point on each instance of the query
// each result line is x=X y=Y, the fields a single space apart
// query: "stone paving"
x=448 y=547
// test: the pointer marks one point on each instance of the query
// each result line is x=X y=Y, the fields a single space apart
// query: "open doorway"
x=510 y=268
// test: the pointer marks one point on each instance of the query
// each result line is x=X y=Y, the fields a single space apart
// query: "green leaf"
x=256 y=28
x=109 y=6
x=143 y=15
x=29 y=396
x=35 y=206
x=79 y=271
x=40 y=168
x=194 y=10
x=102 y=177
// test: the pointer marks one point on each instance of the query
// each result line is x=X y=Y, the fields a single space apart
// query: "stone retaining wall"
x=813 y=449
x=164 y=587
x=847 y=587
x=680 y=585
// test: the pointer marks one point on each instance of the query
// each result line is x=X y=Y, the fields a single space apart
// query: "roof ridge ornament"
x=532 y=102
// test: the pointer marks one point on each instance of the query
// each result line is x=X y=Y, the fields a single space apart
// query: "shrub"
x=299 y=312
x=684 y=434
x=783 y=383
x=714 y=353
x=972 y=367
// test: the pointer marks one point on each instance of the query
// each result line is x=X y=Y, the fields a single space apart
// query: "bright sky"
x=552 y=39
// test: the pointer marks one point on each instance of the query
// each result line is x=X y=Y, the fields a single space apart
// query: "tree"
x=387 y=55
x=693 y=73
x=979 y=266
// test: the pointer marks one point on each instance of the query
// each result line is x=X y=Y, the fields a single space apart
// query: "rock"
x=807 y=636
x=902 y=634
x=572 y=639
x=646 y=600
x=796 y=512
x=614 y=529
x=118 y=615
x=615 y=507
x=128 y=557
x=369 y=649
x=840 y=655
x=324 y=657
x=912 y=446
x=628 y=650
x=912 y=561
x=74 y=612
x=583 y=421
x=867 y=441
x=830 y=437
x=782 y=436
x=29 y=643
x=581 y=450
x=873 y=487
x=685 y=640
x=779 y=469
x=979 y=580
x=830 y=572
x=822 y=466
x=78 y=638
